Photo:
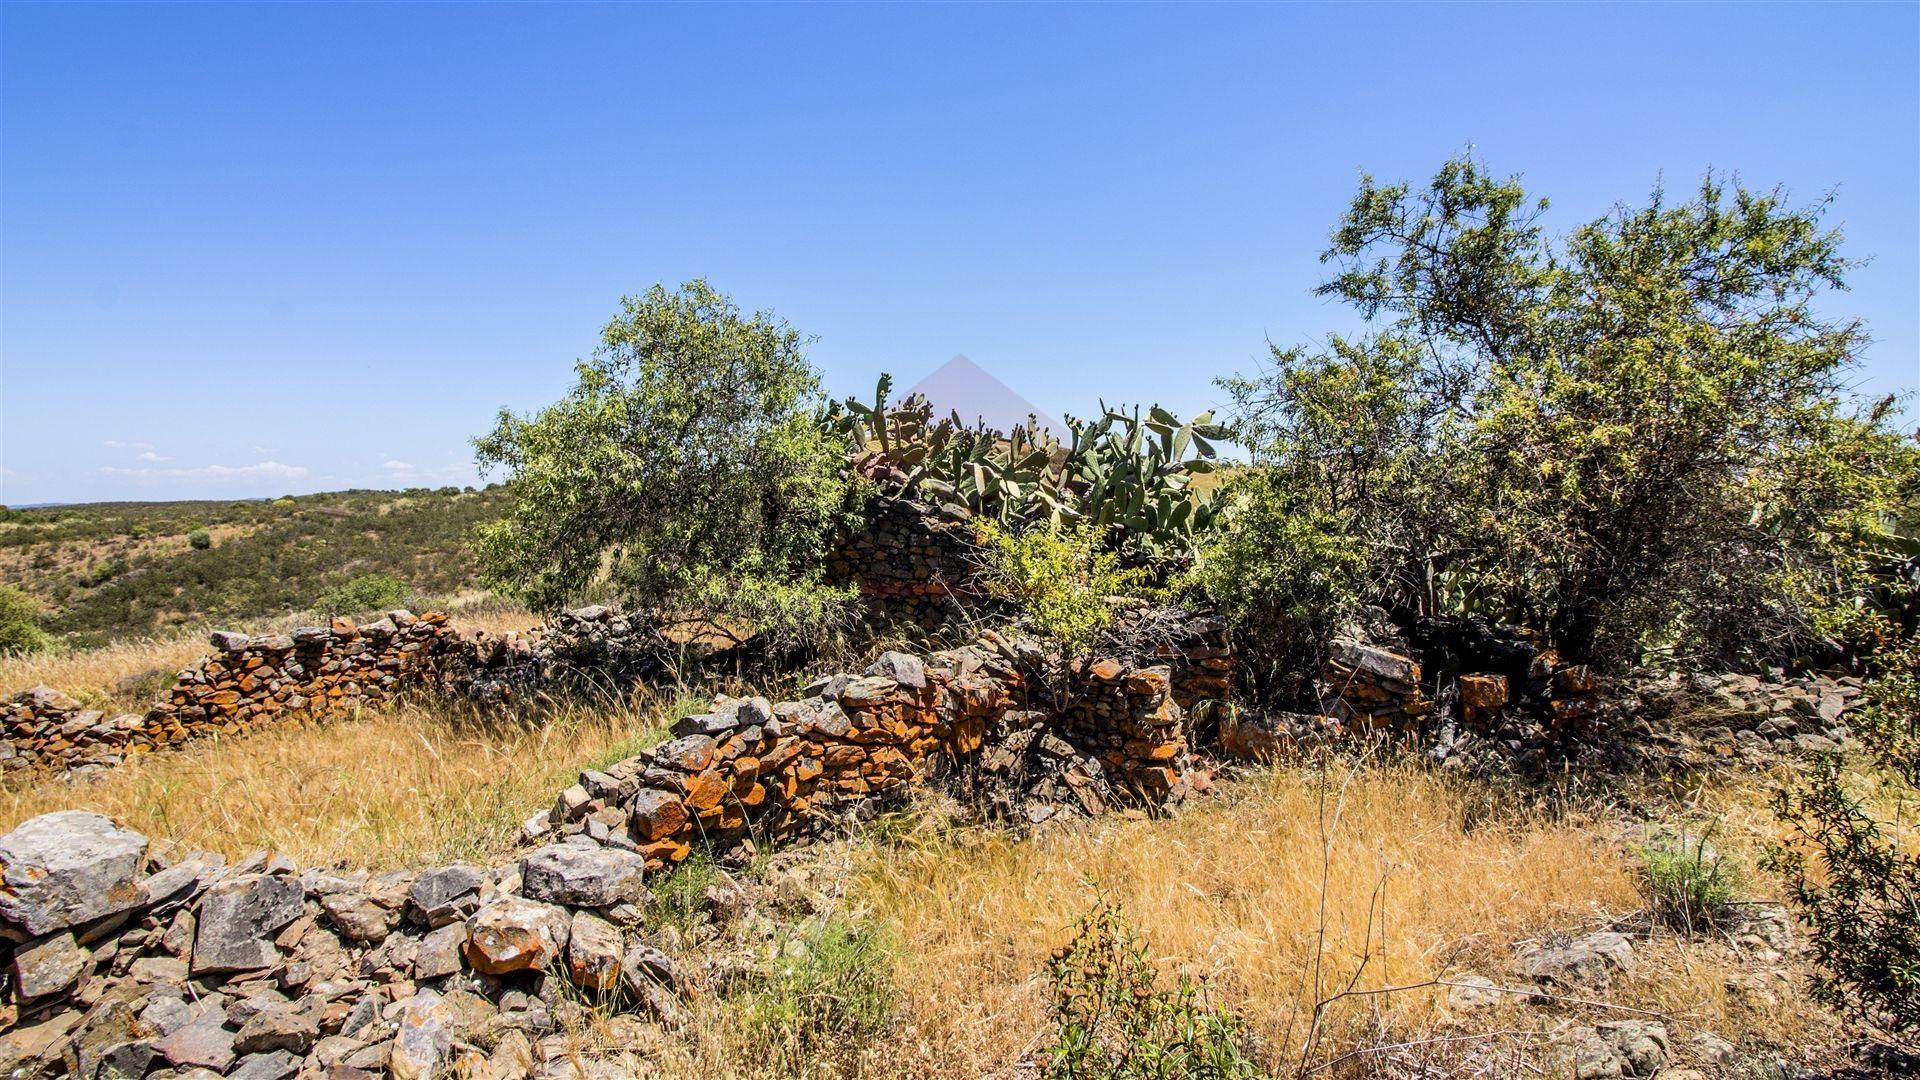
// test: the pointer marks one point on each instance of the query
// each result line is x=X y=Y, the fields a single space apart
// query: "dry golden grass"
x=123 y=675
x=1231 y=892
x=409 y=786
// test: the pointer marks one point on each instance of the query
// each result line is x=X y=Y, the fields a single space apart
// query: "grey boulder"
x=67 y=868
x=584 y=875
x=238 y=919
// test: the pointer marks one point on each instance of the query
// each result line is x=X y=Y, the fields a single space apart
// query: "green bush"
x=1059 y=577
x=1855 y=878
x=1856 y=884
x=1285 y=573
x=20 y=630
x=368 y=592
x=1689 y=885
x=1635 y=436
x=200 y=540
x=1114 y=1020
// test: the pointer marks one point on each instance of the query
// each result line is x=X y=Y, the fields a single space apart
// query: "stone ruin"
x=914 y=564
x=126 y=958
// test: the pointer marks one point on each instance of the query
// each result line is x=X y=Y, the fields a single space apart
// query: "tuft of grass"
x=1688 y=883
x=680 y=899
x=829 y=999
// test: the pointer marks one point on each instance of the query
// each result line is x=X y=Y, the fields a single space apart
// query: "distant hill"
x=104 y=571
x=964 y=387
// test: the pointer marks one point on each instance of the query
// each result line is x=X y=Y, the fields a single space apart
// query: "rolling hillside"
x=106 y=571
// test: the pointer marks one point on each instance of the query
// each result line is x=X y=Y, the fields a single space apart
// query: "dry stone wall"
x=124 y=957
x=754 y=770
x=913 y=562
x=308 y=674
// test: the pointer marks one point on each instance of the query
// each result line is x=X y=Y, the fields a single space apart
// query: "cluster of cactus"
x=1129 y=472
x=1134 y=473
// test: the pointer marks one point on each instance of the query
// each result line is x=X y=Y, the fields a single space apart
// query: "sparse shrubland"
x=20 y=630
x=1630 y=441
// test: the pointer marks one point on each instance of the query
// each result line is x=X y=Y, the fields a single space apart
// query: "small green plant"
x=1114 y=1019
x=680 y=899
x=1857 y=887
x=1059 y=576
x=368 y=592
x=200 y=540
x=20 y=630
x=830 y=994
x=1689 y=885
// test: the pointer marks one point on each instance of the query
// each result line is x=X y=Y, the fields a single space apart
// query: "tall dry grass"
x=390 y=788
x=1277 y=905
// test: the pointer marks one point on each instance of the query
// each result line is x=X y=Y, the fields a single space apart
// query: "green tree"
x=1634 y=436
x=20 y=630
x=687 y=470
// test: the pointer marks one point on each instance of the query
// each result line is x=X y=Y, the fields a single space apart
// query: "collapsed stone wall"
x=751 y=769
x=122 y=957
x=311 y=673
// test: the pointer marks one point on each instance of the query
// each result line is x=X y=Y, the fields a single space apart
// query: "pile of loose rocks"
x=1703 y=719
x=310 y=673
x=750 y=770
x=124 y=959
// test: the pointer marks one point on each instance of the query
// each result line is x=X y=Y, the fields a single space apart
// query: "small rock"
x=1641 y=1044
x=276 y=1029
x=436 y=894
x=277 y=1065
x=1585 y=961
x=902 y=668
x=594 y=951
x=439 y=952
x=358 y=917
x=1469 y=992
x=512 y=934
x=49 y=965
x=424 y=1037
x=203 y=1041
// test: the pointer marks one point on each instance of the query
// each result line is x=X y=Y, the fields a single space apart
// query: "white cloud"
x=395 y=465
x=264 y=469
x=117 y=444
x=151 y=456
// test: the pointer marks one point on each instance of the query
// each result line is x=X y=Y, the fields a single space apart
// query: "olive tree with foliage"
x=1634 y=437
x=688 y=470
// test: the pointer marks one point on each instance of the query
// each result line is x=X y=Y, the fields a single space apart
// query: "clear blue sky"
x=258 y=249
